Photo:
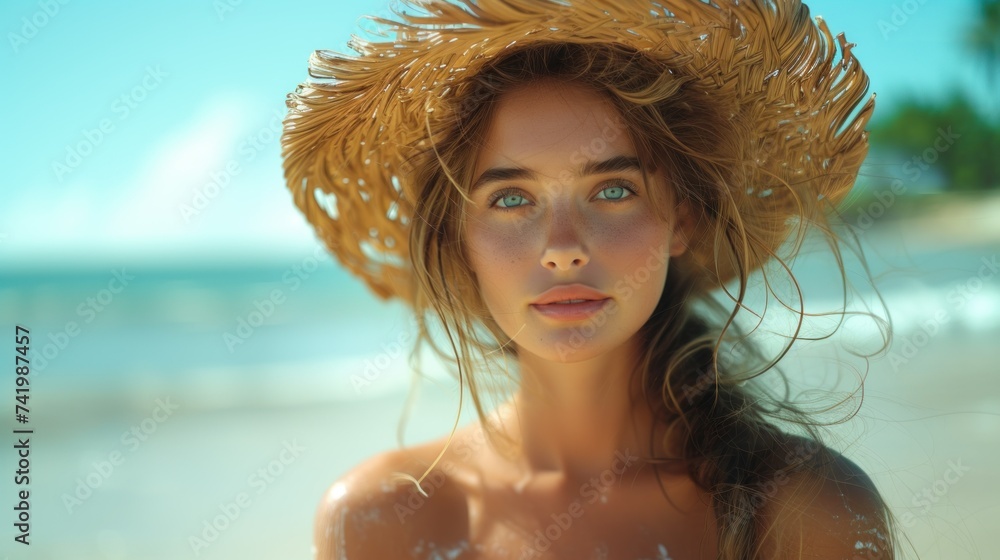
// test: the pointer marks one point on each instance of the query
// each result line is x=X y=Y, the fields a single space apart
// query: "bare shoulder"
x=825 y=506
x=368 y=513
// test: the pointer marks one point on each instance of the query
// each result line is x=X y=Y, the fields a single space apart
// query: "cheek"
x=640 y=243
x=498 y=259
x=497 y=248
x=639 y=267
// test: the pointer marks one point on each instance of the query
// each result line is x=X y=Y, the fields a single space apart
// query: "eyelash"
x=503 y=193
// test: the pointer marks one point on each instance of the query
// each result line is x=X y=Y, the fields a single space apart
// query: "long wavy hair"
x=697 y=365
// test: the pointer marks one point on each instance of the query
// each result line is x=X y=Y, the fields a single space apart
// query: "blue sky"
x=204 y=85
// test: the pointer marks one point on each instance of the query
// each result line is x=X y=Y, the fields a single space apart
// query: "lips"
x=571 y=311
x=575 y=293
x=572 y=302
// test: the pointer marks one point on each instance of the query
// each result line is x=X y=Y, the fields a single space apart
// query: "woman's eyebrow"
x=590 y=167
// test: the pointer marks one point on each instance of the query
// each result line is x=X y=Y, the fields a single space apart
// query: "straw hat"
x=345 y=139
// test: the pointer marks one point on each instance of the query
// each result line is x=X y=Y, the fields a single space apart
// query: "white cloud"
x=142 y=215
x=177 y=166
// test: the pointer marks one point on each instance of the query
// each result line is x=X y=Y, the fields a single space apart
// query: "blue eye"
x=616 y=192
x=509 y=198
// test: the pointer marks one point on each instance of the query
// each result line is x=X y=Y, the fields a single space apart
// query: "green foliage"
x=973 y=162
x=914 y=128
x=983 y=39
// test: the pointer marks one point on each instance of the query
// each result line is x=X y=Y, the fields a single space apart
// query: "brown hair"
x=693 y=367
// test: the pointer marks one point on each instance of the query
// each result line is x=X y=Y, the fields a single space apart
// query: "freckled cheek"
x=499 y=247
x=632 y=241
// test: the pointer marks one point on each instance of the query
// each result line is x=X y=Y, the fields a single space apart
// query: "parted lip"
x=567 y=292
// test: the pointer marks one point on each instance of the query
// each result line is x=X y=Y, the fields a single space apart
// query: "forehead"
x=561 y=123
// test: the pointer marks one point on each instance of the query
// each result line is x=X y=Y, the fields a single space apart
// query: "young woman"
x=565 y=189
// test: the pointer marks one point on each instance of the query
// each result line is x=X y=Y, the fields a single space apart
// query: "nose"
x=565 y=249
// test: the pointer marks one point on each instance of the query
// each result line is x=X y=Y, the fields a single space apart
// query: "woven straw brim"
x=346 y=135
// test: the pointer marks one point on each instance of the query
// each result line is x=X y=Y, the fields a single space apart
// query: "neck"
x=575 y=420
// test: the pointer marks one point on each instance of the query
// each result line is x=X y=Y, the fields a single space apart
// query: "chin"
x=569 y=344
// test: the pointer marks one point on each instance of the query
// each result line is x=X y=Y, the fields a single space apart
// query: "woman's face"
x=559 y=199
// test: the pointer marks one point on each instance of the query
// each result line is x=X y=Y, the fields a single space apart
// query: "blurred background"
x=195 y=354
